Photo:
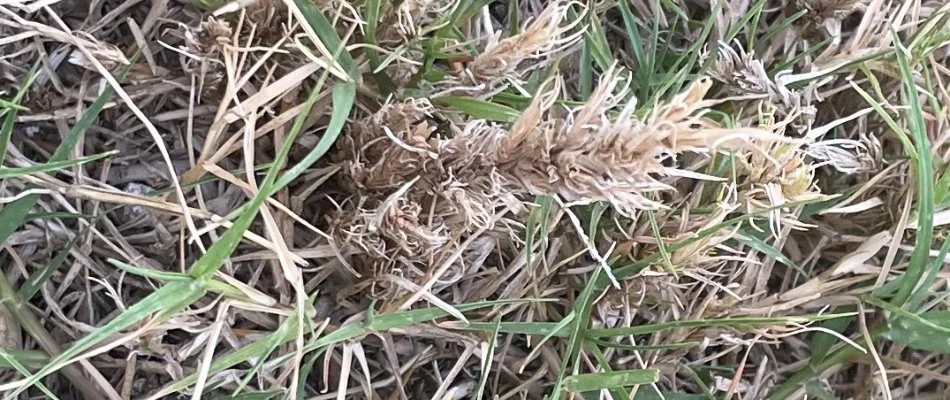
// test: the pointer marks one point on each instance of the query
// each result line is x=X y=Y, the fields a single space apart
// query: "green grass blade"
x=638 y=265
x=285 y=333
x=344 y=95
x=266 y=395
x=578 y=331
x=942 y=190
x=162 y=303
x=753 y=27
x=633 y=34
x=687 y=61
x=486 y=363
x=207 y=5
x=660 y=244
x=611 y=380
x=560 y=330
x=480 y=109
x=513 y=27
x=925 y=183
x=310 y=360
x=32 y=285
x=586 y=71
x=305 y=371
x=163 y=276
x=739 y=323
x=596 y=39
x=891 y=123
x=637 y=46
x=521 y=102
x=537 y=221
x=52 y=165
x=780 y=26
x=596 y=213
x=927 y=331
x=6 y=104
x=815 y=389
x=651 y=395
x=373 y=10
x=221 y=250
x=650 y=69
x=822 y=343
x=603 y=363
x=12 y=215
x=381 y=323
x=752 y=14
x=9 y=359
x=226 y=361
x=918 y=298
x=465 y=10
x=206 y=266
x=645 y=347
x=790 y=385
x=327 y=34
x=548 y=331
x=6 y=129
x=752 y=240
x=26 y=358
x=91 y=114
x=284 y=151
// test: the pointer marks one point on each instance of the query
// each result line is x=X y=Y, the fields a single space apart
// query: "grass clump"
x=473 y=199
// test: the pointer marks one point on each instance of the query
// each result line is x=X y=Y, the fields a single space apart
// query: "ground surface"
x=478 y=199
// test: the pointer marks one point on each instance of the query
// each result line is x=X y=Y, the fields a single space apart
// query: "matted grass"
x=479 y=199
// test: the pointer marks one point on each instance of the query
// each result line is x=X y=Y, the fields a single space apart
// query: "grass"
x=474 y=199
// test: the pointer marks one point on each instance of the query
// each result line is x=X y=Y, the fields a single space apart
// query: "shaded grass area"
x=474 y=199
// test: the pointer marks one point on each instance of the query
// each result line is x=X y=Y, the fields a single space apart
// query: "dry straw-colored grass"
x=759 y=167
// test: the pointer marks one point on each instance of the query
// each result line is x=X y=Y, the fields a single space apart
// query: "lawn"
x=474 y=199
